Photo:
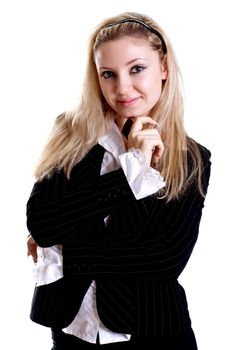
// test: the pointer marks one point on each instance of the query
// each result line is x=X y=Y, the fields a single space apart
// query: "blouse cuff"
x=143 y=180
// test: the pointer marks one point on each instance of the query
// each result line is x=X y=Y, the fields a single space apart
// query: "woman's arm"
x=166 y=241
x=59 y=208
x=160 y=247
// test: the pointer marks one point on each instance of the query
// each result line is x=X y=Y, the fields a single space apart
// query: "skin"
x=31 y=248
x=130 y=75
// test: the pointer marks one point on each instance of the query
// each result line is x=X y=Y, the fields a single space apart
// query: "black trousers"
x=186 y=341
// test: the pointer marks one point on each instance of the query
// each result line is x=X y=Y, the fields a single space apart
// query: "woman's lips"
x=128 y=102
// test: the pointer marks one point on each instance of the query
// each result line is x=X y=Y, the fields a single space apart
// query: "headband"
x=135 y=20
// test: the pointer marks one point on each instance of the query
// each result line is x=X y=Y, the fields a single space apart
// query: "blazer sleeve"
x=164 y=244
x=58 y=208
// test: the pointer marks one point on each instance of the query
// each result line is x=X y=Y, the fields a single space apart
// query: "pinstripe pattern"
x=135 y=260
x=59 y=208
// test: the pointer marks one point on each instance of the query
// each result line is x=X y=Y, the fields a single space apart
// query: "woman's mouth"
x=128 y=101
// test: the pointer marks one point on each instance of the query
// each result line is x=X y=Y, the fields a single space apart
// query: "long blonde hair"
x=76 y=131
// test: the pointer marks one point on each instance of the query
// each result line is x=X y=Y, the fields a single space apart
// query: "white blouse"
x=143 y=181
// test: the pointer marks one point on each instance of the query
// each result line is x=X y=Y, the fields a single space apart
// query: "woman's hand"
x=32 y=248
x=145 y=136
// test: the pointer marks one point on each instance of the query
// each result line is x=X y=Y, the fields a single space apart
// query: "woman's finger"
x=139 y=123
x=32 y=248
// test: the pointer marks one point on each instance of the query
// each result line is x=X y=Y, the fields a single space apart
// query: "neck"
x=120 y=122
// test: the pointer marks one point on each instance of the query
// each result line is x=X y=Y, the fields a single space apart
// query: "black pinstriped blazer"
x=135 y=260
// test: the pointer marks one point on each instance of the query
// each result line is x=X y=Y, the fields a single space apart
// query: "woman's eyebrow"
x=127 y=64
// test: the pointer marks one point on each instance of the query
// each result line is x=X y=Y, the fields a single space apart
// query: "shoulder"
x=205 y=152
x=199 y=163
x=198 y=150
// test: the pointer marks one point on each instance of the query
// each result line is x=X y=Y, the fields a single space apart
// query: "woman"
x=118 y=199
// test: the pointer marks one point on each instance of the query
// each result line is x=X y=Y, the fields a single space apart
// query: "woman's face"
x=130 y=75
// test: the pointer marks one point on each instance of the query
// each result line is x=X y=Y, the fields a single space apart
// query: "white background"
x=42 y=53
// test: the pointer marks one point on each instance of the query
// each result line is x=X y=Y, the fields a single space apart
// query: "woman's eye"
x=107 y=74
x=137 y=69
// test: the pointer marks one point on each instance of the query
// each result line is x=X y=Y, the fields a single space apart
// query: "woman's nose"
x=123 y=85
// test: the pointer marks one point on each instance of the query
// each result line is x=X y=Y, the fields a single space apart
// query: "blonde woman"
x=115 y=210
